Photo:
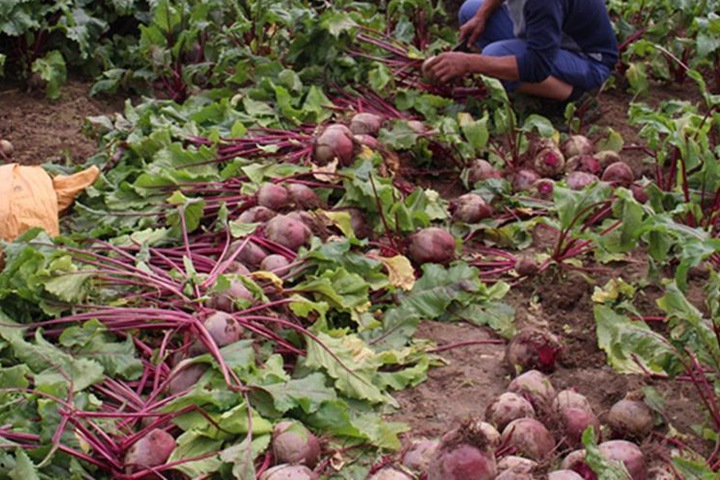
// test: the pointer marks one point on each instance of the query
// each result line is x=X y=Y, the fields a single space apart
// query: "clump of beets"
x=619 y=173
x=507 y=407
x=580 y=180
x=480 y=170
x=288 y=472
x=302 y=196
x=336 y=141
x=549 y=162
x=419 y=453
x=431 y=245
x=151 y=450
x=366 y=124
x=464 y=453
x=524 y=180
x=257 y=214
x=577 y=145
x=532 y=349
x=390 y=473
x=584 y=163
x=6 y=148
x=470 y=208
x=630 y=418
x=295 y=444
x=529 y=438
x=536 y=387
x=226 y=299
x=273 y=197
x=287 y=231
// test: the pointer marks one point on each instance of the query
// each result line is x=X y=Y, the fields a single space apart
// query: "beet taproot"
x=277 y=264
x=630 y=419
x=287 y=231
x=288 y=472
x=532 y=349
x=507 y=407
x=619 y=173
x=366 y=124
x=480 y=170
x=462 y=462
x=523 y=180
x=257 y=214
x=390 y=473
x=293 y=443
x=431 y=245
x=536 y=387
x=470 y=208
x=151 y=450
x=549 y=162
x=6 y=148
x=272 y=196
x=419 y=453
x=529 y=438
x=336 y=141
x=226 y=299
x=577 y=145
x=580 y=180
x=302 y=196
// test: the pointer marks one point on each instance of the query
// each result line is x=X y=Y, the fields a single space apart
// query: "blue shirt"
x=550 y=25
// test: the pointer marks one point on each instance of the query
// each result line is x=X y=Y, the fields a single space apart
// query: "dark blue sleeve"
x=543 y=32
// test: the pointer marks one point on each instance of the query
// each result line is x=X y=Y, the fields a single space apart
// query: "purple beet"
x=336 y=141
x=272 y=196
x=295 y=444
x=288 y=232
x=470 y=208
x=431 y=245
x=508 y=407
x=536 y=387
x=529 y=437
x=152 y=450
x=532 y=349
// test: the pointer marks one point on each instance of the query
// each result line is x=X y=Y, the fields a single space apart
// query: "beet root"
x=277 y=264
x=257 y=214
x=607 y=157
x=523 y=180
x=222 y=328
x=543 y=188
x=151 y=450
x=461 y=463
x=571 y=399
x=620 y=451
x=630 y=419
x=184 y=376
x=288 y=472
x=577 y=145
x=274 y=197
x=517 y=464
x=536 y=387
x=580 y=180
x=470 y=208
x=431 y=245
x=564 y=475
x=549 y=162
x=584 y=163
x=418 y=455
x=251 y=254
x=389 y=473
x=526 y=267
x=574 y=422
x=532 y=349
x=619 y=173
x=480 y=170
x=295 y=444
x=508 y=407
x=336 y=141
x=302 y=196
x=366 y=124
x=529 y=437
x=287 y=231
x=226 y=299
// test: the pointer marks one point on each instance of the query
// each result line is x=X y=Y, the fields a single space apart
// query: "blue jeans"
x=498 y=40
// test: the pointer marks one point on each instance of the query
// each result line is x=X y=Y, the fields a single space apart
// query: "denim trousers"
x=498 y=40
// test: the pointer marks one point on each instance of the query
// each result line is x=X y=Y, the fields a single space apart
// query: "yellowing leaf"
x=342 y=221
x=274 y=279
x=325 y=173
x=400 y=271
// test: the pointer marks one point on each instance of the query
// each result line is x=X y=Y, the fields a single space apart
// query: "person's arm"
x=488 y=8
x=447 y=66
x=473 y=28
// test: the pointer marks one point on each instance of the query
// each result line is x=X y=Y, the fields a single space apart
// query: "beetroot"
x=417 y=127
x=288 y=232
x=428 y=77
x=577 y=145
x=288 y=472
x=529 y=437
x=418 y=455
x=6 y=148
x=431 y=245
x=151 y=450
x=274 y=197
x=335 y=141
x=571 y=399
x=532 y=349
x=549 y=162
x=237 y=268
x=543 y=188
x=482 y=434
x=584 y=163
x=367 y=141
x=619 y=173
x=302 y=195
x=277 y=264
x=480 y=170
x=256 y=214
x=607 y=157
x=564 y=475
x=251 y=254
x=470 y=208
x=535 y=386
x=510 y=475
x=508 y=407
x=630 y=419
x=517 y=464
x=462 y=462
x=389 y=473
x=226 y=299
x=574 y=421
x=366 y=124
x=523 y=180
x=184 y=376
x=615 y=450
x=526 y=267
x=580 y=180
x=293 y=443
x=639 y=193
x=224 y=330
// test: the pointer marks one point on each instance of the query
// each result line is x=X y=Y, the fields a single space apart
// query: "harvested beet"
x=274 y=197
x=529 y=437
x=367 y=141
x=390 y=473
x=226 y=299
x=526 y=267
x=564 y=475
x=251 y=254
x=571 y=399
x=614 y=450
x=237 y=268
x=287 y=231
x=184 y=376
x=619 y=173
x=151 y=450
x=535 y=386
x=431 y=245
x=418 y=455
x=480 y=170
x=630 y=419
x=277 y=264
x=583 y=163
x=224 y=330
x=302 y=195
x=293 y=443
x=417 y=126
x=523 y=180
x=574 y=421
x=549 y=162
x=476 y=432
x=359 y=223
x=462 y=462
x=577 y=145
x=336 y=141
x=580 y=180
x=257 y=214
x=607 y=157
x=470 y=208
x=508 y=407
x=510 y=475
x=428 y=77
x=517 y=464
x=366 y=124
x=639 y=193
x=288 y=472
x=543 y=188
x=6 y=148
x=532 y=349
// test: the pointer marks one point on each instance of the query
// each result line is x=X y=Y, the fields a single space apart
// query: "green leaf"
x=52 y=70
x=242 y=456
x=606 y=469
x=24 y=469
x=307 y=393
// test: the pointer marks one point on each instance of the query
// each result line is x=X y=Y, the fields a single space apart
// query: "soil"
x=51 y=131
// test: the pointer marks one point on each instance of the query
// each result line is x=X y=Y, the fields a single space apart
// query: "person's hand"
x=472 y=30
x=448 y=66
